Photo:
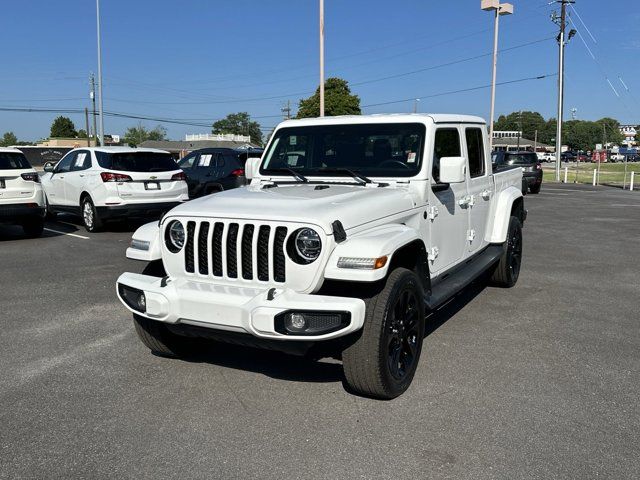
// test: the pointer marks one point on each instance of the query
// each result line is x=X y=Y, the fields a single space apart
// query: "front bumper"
x=235 y=308
x=13 y=212
x=136 y=210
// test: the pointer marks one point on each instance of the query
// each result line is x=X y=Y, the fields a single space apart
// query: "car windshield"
x=137 y=161
x=13 y=161
x=520 y=158
x=372 y=150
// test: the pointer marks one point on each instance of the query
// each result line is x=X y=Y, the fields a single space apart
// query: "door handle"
x=486 y=194
x=464 y=201
x=82 y=174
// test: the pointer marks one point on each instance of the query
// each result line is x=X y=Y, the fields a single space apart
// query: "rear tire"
x=90 y=218
x=157 y=337
x=383 y=360
x=508 y=269
x=33 y=228
x=535 y=189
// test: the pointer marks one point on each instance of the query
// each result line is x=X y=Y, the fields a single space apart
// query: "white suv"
x=21 y=198
x=104 y=183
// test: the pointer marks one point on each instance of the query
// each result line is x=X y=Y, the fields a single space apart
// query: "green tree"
x=82 y=133
x=338 y=100
x=239 y=124
x=611 y=130
x=137 y=134
x=63 y=127
x=527 y=122
x=8 y=139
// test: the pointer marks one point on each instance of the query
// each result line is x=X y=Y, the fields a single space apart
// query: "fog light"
x=296 y=322
x=133 y=297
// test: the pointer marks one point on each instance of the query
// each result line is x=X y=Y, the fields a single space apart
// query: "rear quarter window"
x=13 y=161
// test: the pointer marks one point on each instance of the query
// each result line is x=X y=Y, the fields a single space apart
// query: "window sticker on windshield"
x=411 y=158
x=205 y=160
x=293 y=140
x=80 y=159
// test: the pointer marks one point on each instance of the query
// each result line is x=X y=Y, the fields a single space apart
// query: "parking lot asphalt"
x=539 y=381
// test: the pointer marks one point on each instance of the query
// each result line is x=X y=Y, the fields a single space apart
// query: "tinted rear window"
x=520 y=158
x=137 y=161
x=13 y=161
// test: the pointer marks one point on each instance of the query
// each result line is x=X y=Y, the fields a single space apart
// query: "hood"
x=316 y=204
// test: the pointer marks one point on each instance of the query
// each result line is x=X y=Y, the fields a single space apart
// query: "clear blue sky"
x=201 y=59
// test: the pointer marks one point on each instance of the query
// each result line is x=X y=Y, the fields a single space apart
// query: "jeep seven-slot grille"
x=232 y=250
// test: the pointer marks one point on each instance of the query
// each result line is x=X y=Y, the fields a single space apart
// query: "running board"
x=462 y=276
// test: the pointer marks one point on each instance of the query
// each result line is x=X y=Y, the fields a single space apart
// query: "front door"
x=448 y=213
x=480 y=190
x=55 y=186
x=76 y=179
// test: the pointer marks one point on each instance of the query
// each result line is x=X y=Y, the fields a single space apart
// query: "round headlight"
x=308 y=244
x=175 y=236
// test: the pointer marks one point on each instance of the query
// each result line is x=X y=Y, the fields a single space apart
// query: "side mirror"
x=251 y=167
x=453 y=169
x=48 y=167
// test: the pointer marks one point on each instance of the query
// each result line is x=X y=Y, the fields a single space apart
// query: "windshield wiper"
x=290 y=171
x=352 y=173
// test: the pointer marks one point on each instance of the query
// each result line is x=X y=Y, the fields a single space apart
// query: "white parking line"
x=566 y=190
x=626 y=205
x=561 y=194
x=65 y=233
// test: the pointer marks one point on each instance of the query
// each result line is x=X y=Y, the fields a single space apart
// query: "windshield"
x=13 y=161
x=137 y=161
x=372 y=150
x=520 y=158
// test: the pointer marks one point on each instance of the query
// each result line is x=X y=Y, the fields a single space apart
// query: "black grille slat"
x=247 y=252
x=232 y=251
x=216 y=249
x=203 y=249
x=188 y=249
x=279 y=270
x=263 y=253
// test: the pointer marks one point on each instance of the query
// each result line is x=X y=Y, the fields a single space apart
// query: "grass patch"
x=609 y=172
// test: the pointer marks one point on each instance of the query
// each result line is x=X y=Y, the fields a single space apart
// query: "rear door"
x=76 y=178
x=449 y=216
x=479 y=187
x=12 y=185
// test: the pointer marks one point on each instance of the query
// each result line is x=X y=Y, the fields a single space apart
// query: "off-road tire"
x=33 y=228
x=157 y=337
x=507 y=270
x=96 y=225
x=366 y=362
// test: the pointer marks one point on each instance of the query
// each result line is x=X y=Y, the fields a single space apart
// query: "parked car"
x=546 y=157
x=527 y=161
x=616 y=157
x=583 y=157
x=211 y=170
x=568 y=157
x=338 y=249
x=107 y=183
x=21 y=198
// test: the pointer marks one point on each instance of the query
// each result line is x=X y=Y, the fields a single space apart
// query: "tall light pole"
x=322 y=58
x=498 y=9
x=99 y=73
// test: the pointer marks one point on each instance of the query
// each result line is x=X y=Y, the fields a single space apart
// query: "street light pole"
x=498 y=9
x=99 y=73
x=322 y=58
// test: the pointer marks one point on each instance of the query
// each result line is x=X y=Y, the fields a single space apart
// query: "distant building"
x=109 y=140
x=180 y=148
x=507 y=134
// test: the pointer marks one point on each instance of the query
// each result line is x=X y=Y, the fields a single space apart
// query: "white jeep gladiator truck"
x=351 y=230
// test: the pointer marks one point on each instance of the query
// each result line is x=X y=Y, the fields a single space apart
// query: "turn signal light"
x=114 y=177
x=31 y=177
x=179 y=176
x=360 y=263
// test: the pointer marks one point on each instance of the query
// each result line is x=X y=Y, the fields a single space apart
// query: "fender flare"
x=149 y=232
x=374 y=243
x=502 y=213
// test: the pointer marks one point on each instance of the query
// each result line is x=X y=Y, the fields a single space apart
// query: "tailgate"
x=150 y=186
x=13 y=186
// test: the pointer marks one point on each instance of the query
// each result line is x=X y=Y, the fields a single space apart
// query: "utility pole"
x=415 y=105
x=535 y=142
x=322 y=58
x=561 y=43
x=287 y=110
x=92 y=95
x=519 y=128
x=99 y=73
x=86 y=122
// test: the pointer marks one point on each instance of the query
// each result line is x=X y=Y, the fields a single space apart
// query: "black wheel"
x=157 y=337
x=535 y=188
x=508 y=268
x=383 y=360
x=90 y=218
x=33 y=228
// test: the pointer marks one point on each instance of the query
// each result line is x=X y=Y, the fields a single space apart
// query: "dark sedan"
x=528 y=161
x=211 y=170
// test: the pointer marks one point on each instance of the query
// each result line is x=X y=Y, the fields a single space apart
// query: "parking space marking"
x=626 y=205
x=65 y=233
x=566 y=190
x=561 y=194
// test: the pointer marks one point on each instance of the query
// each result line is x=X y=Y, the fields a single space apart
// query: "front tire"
x=90 y=218
x=508 y=269
x=383 y=360
x=157 y=337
